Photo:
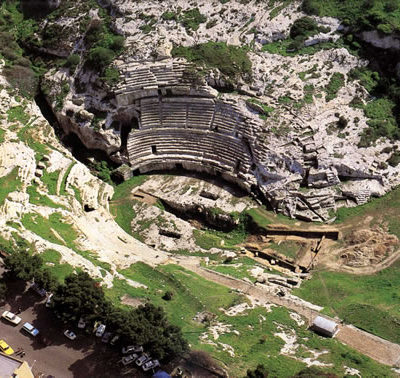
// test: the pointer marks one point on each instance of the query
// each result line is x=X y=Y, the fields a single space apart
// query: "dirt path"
x=378 y=349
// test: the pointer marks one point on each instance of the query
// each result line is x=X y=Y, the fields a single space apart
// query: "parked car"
x=132 y=349
x=5 y=348
x=126 y=360
x=71 y=335
x=114 y=340
x=100 y=330
x=14 y=319
x=81 y=323
x=152 y=364
x=28 y=327
x=38 y=290
x=48 y=302
x=142 y=359
x=106 y=337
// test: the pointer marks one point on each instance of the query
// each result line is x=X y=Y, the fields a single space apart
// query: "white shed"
x=324 y=326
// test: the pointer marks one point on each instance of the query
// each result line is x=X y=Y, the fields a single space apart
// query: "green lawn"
x=40 y=199
x=60 y=271
x=8 y=184
x=50 y=180
x=191 y=294
x=286 y=248
x=121 y=204
x=253 y=341
x=371 y=302
x=238 y=268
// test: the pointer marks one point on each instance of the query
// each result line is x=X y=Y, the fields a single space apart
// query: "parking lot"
x=53 y=354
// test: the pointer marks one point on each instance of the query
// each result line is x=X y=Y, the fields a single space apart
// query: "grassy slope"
x=255 y=343
x=121 y=204
x=52 y=258
x=8 y=184
x=370 y=302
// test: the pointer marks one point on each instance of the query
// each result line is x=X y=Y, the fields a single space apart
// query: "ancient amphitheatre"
x=236 y=169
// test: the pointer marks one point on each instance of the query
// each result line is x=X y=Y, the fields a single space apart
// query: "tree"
x=168 y=295
x=149 y=327
x=313 y=371
x=258 y=372
x=303 y=27
x=22 y=265
x=100 y=57
x=79 y=296
x=3 y=291
x=45 y=280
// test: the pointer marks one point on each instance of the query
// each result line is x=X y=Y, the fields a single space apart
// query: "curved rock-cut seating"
x=200 y=114
x=227 y=119
x=173 y=113
x=150 y=113
x=205 y=148
x=151 y=75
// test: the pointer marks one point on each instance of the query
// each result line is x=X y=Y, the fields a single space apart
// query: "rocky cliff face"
x=302 y=155
x=53 y=201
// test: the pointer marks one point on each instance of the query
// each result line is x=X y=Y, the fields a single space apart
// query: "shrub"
x=342 y=122
x=72 y=61
x=23 y=79
x=100 y=57
x=111 y=76
x=192 y=19
x=303 y=27
x=394 y=160
x=230 y=60
x=168 y=16
x=168 y=295
x=117 y=43
x=336 y=82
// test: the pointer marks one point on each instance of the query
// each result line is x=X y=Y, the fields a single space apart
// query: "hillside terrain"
x=165 y=147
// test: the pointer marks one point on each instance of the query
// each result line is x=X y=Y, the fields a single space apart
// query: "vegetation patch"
x=383 y=15
x=40 y=199
x=9 y=183
x=208 y=239
x=286 y=248
x=52 y=258
x=191 y=294
x=382 y=122
x=121 y=206
x=238 y=267
x=230 y=60
x=50 y=180
x=43 y=227
x=370 y=302
x=335 y=83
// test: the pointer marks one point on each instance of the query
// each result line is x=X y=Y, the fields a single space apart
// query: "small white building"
x=324 y=326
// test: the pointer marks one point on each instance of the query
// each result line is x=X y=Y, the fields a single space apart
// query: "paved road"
x=375 y=347
x=84 y=357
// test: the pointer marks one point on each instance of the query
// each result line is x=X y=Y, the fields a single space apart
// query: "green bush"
x=100 y=57
x=382 y=121
x=111 y=76
x=303 y=27
x=168 y=16
x=72 y=61
x=230 y=60
x=336 y=82
x=23 y=79
x=394 y=160
x=192 y=18
x=360 y=14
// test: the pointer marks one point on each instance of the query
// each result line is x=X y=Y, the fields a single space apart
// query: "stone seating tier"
x=208 y=148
